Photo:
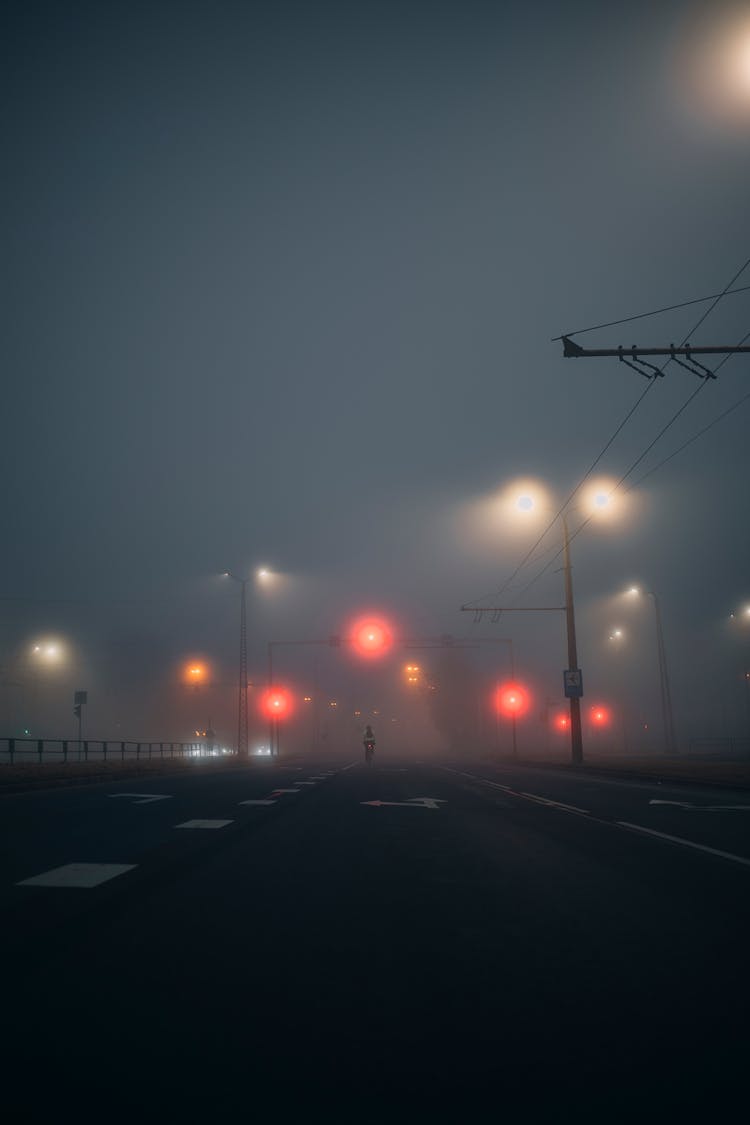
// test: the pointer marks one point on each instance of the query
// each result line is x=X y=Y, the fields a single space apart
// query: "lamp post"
x=576 y=735
x=242 y=685
x=670 y=744
x=525 y=497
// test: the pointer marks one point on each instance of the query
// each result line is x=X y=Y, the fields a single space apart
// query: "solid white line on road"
x=147 y=798
x=204 y=824
x=704 y=808
x=269 y=802
x=78 y=875
x=412 y=803
x=553 y=804
x=683 y=843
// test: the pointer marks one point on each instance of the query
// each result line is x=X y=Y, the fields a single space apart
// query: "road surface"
x=415 y=940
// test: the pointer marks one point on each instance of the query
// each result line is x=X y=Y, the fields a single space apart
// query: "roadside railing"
x=17 y=751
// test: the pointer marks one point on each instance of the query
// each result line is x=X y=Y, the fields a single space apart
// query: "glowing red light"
x=600 y=716
x=512 y=700
x=561 y=722
x=276 y=703
x=371 y=637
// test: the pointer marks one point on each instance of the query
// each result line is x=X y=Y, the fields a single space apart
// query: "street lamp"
x=596 y=500
x=242 y=685
x=670 y=744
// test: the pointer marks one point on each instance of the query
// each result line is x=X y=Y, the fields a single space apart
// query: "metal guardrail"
x=17 y=751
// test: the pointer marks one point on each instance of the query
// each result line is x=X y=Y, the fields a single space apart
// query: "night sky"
x=280 y=287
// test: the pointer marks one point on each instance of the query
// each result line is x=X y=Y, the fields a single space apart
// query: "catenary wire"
x=654 y=312
x=715 y=299
x=635 y=464
x=700 y=432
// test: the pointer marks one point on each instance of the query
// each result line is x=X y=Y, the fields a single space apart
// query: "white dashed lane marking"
x=204 y=824
x=78 y=875
x=269 y=802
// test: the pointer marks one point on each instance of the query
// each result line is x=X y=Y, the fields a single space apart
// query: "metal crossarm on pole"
x=633 y=356
x=571 y=350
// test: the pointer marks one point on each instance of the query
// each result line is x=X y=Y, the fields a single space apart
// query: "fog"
x=281 y=287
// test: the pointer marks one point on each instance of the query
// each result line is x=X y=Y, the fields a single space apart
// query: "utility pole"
x=572 y=678
x=242 y=686
x=670 y=743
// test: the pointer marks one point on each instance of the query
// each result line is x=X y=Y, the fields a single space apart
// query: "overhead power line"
x=671 y=357
x=654 y=312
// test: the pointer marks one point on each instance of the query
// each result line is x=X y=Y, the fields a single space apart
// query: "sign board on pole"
x=573 y=683
x=80 y=697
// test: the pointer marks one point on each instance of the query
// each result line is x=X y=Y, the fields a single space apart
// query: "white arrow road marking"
x=412 y=803
x=78 y=875
x=204 y=824
x=146 y=798
x=703 y=808
x=270 y=802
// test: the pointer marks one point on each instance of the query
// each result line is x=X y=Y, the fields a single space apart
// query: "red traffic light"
x=276 y=703
x=561 y=722
x=371 y=637
x=512 y=700
x=600 y=716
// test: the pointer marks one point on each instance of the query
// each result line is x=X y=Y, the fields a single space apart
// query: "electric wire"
x=715 y=298
x=637 y=462
x=654 y=312
x=700 y=432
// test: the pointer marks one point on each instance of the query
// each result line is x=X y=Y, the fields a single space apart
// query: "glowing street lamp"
x=597 y=499
x=264 y=575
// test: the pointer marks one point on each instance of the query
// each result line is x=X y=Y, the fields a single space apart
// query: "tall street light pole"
x=670 y=742
x=576 y=736
x=242 y=685
x=666 y=696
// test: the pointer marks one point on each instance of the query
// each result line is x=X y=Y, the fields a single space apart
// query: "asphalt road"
x=412 y=941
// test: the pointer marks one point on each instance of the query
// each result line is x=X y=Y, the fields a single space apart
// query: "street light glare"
x=48 y=651
x=712 y=66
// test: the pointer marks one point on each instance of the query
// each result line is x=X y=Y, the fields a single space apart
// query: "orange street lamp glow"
x=195 y=672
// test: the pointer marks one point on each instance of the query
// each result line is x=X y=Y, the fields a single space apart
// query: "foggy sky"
x=280 y=285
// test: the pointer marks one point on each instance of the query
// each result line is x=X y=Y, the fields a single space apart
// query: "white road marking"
x=703 y=808
x=78 y=875
x=551 y=803
x=204 y=824
x=269 y=802
x=306 y=783
x=278 y=792
x=412 y=803
x=684 y=843
x=146 y=798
